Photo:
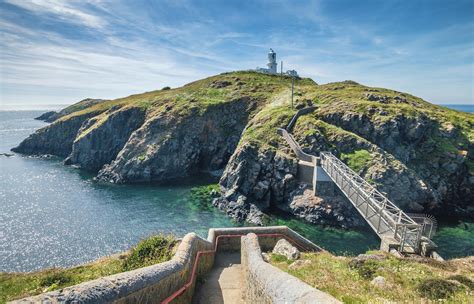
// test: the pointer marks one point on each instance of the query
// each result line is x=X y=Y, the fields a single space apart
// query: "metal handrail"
x=393 y=216
x=191 y=279
x=403 y=227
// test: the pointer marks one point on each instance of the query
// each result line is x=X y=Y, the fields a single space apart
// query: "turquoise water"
x=56 y=216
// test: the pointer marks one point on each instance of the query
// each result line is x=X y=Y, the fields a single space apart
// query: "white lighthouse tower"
x=272 y=64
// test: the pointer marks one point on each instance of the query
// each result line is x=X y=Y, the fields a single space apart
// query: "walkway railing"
x=384 y=217
x=192 y=278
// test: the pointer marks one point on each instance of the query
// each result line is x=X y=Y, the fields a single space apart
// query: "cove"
x=57 y=216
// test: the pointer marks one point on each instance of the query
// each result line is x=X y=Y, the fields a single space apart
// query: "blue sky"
x=63 y=51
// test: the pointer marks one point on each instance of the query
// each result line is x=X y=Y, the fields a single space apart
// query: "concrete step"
x=223 y=284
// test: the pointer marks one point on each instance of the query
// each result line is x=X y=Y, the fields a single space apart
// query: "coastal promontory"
x=419 y=154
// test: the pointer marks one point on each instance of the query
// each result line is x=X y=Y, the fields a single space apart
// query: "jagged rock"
x=100 y=141
x=56 y=138
x=418 y=155
x=285 y=248
x=169 y=146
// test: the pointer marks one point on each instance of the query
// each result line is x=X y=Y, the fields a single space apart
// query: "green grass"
x=407 y=281
x=155 y=249
x=263 y=127
x=358 y=160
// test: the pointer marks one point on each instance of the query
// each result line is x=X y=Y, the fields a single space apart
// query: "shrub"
x=56 y=278
x=156 y=249
x=437 y=289
x=463 y=280
x=166 y=88
x=368 y=269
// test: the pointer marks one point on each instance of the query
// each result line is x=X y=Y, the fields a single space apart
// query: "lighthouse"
x=272 y=64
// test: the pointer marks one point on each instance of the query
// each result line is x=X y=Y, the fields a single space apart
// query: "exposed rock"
x=266 y=257
x=169 y=146
x=56 y=138
x=359 y=260
x=334 y=211
x=379 y=282
x=418 y=155
x=46 y=116
x=220 y=84
x=100 y=140
x=285 y=248
x=299 y=264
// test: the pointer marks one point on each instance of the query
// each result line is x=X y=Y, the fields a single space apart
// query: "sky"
x=59 y=52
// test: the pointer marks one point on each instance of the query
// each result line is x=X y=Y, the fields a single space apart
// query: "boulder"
x=284 y=247
x=379 y=282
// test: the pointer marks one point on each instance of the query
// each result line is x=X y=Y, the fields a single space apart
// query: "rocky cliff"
x=419 y=154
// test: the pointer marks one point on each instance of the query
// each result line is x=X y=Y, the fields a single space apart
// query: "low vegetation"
x=357 y=160
x=405 y=280
x=155 y=249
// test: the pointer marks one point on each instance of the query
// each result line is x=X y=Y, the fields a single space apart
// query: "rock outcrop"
x=420 y=155
x=167 y=147
x=100 y=140
x=56 y=138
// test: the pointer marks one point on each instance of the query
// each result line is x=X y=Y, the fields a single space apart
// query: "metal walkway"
x=388 y=221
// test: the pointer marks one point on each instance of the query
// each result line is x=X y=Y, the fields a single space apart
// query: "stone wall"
x=153 y=284
x=265 y=283
x=150 y=284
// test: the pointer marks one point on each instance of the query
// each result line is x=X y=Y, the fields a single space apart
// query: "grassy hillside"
x=421 y=155
x=406 y=281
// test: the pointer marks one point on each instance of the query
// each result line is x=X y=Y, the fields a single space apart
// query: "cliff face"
x=170 y=146
x=419 y=154
x=101 y=138
x=55 y=139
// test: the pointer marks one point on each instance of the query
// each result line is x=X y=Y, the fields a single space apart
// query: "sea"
x=53 y=215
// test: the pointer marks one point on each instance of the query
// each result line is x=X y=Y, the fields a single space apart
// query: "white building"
x=272 y=66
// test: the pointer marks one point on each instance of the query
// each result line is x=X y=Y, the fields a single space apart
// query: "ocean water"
x=57 y=216
x=468 y=108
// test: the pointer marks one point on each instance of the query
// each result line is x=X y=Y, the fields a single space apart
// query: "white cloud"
x=68 y=11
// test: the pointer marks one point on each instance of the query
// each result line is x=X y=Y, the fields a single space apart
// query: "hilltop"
x=418 y=153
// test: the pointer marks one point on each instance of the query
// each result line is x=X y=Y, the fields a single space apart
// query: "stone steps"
x=224 y=283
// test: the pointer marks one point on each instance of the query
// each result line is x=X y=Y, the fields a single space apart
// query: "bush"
x=56 y=278
x=156 y=249
x=166 y=88
x=368 y=269
x=437 y=289
x=463 y=280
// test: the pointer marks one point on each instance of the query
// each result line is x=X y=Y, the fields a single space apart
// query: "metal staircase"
x=388 y=221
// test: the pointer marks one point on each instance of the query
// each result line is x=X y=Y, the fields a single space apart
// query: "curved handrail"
x=193 y=275
x=296 y=147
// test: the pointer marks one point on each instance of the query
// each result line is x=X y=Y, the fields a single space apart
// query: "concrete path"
x=224 y=283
